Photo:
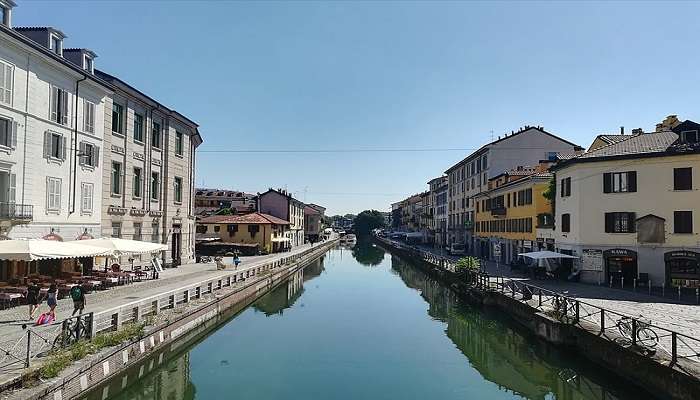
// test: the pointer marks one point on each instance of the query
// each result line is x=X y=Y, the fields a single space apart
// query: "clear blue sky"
x=362 y=75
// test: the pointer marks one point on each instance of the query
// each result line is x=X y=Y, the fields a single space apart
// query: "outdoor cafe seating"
x=66 y=265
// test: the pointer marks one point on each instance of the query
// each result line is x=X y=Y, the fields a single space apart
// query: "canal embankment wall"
x=175 y=333
x=641 y=370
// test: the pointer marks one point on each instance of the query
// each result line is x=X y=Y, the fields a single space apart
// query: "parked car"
x=457 y=249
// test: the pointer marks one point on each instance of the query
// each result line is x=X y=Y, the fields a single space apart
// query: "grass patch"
x=60 y=359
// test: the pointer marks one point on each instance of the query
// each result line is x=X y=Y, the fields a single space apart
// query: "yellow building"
x=267 y=231
x=512 y=212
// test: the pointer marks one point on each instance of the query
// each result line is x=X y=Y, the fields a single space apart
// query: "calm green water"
x=363 y=324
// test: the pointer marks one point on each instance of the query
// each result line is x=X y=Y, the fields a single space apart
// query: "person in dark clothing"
x=33 y=293
x=77 y=293
x=51 y=299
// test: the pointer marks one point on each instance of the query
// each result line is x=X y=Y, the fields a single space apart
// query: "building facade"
x=266 y=231
x=281 y=204
x=313 y=222
x=209 y=201
x=629 y=210
x=470 y=176
x=437 y=206
x=51 y=134
x=510 y=214
x=148 y=172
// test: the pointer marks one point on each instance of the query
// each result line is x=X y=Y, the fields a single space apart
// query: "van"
x=457 y=249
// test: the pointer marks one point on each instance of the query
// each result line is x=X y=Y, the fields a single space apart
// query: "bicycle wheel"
x=647 y=337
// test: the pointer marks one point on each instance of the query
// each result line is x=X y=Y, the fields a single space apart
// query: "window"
x=89 y=154
x=620 y=182
x=89 y=117
x=117 y=118
x=682 y=222
x=53 y=194
x=177 y=188
x=138 y=127
x=217 y=228
x=56 y=45
x=683 y=178
x=253 y=230
x=137 y=230
x=566 y=222
x=59 y=105
x=116 y=229
x=116 y=177
x=155 y=136
x=8 y=133
x=484 y=162
x=4 y=16
x=155 y=232
x=88 y=63
x=6 y=82
x=620 y=222
x=566 y=187
x=54 y=146
x=690 y=136
x=155 y=185
x=201 y=229
x=232 y=229
x=86 y=194
x=552 y=156
x=179 y=142
x=137 y=182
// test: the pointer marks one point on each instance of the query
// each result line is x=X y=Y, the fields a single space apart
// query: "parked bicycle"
x=646 y=337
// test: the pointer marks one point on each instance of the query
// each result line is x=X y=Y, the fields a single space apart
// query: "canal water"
x=363 y=324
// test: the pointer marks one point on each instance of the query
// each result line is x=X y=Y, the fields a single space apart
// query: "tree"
x=467 y=264
x=368 y=220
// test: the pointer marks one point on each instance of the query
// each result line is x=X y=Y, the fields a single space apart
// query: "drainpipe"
x=74 y=142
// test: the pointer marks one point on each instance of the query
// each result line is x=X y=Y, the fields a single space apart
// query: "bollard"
x=649 y=286
x=611 y=281
x=679 y=292
x=663 y=289
x=634 y=284
x=697 y=295
x=622 y=282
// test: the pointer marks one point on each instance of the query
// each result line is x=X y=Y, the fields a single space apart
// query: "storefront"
x=682 y=268
x=620 y=267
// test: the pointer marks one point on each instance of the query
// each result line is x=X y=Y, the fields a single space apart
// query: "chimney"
x=622 y=130
x=6 y=12
x=637 y=131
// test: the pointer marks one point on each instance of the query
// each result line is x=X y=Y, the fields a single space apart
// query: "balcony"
x=498 y=212
x=16 y=212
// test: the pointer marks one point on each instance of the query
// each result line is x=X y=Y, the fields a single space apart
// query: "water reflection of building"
x=314 y=269
x=150 y=381
x=284 y=296
x=499 y=353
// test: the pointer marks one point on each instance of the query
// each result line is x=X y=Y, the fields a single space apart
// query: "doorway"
x=620 y=267
x=176 y=245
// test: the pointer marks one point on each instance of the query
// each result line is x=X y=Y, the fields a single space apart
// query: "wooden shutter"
x=64 y=144
x=12 y=191
x=82 y=160
x=632 y=181
x=13 y=135
x=632 y=221
x=47 y=144
x=607 y=182
x=64 y=108
x=609 y=222
x=95 y=156
x=54 y=104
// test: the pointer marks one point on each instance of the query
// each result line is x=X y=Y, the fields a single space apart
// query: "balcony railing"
x=14 y=211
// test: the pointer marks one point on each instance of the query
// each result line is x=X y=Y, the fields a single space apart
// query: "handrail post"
x=602 y=320
x=29 y=348
x=674 y=348
x=578 y=306
x=634 y=331
x=540 y=298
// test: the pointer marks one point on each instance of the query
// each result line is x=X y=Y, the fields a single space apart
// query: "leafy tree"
x=224 y=211
x=368 y=220
x=367 y=253
x=467 y=264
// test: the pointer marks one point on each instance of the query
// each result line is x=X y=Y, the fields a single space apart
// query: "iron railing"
x=14 y=211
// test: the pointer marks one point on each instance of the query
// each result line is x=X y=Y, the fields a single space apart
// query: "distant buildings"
x=281 y=204
x=210 y=201
x=267 y=232
x=313 y=222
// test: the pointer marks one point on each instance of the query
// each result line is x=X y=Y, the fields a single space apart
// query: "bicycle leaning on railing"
x=638 y=331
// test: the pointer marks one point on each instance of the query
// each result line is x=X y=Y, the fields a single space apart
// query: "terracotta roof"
x=252 y=218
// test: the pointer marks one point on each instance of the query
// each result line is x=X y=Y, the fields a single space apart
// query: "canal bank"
x=569 y=324
x=178 y=315
x=363 y=324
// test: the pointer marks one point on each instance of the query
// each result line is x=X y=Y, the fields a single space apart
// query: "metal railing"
x=666 y=346
x=16 y=211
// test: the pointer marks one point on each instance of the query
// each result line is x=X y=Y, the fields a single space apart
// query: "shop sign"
x=681 y=255
x=613 y=253
x=496 y=250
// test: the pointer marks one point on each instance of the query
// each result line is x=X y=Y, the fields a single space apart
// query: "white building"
x=629 y=209
x=51 y=134
x=470 y=176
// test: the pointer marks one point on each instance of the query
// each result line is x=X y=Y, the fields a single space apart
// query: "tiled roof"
x=610 y=139
x=634 y=144
x=567 y=155
x=252 y=218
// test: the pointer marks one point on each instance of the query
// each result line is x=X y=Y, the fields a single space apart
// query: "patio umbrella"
x=542 y=255
x=39 y=249
x=125 y=246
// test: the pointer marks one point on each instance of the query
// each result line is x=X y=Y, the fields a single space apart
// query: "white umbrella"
x=38 y=249
x=541 y=255
x=125 y=246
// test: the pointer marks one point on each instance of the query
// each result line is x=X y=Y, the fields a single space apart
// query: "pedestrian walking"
x=51 y=300
x=33 y=293
x=77 y=293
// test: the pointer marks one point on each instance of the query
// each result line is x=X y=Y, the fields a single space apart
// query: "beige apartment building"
x=629 y=209
x=148 y=172
x=470 y=176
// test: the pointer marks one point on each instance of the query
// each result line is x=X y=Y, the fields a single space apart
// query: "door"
x=176 y=244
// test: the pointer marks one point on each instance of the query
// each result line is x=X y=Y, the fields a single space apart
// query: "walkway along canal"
x=363 y=324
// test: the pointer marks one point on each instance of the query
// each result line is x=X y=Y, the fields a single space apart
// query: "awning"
x=541 y=255
x=39 y=249
x=281 y=239
x=125 y=246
